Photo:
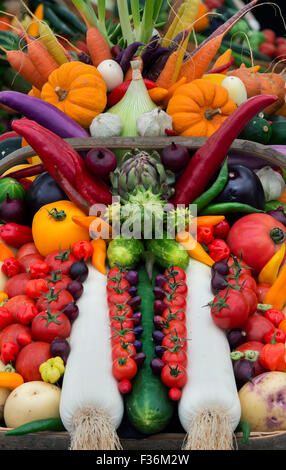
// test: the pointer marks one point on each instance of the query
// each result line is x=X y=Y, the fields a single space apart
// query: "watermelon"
x=12 y=187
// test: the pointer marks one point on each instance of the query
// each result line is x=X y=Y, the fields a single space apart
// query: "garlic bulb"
x=106 y=125
x=272 y=182
x=153 y=123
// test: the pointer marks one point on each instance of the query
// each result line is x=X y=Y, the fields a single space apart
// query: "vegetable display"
x=142 y=258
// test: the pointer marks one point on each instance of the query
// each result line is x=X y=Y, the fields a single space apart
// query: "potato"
x=31 y=401
x=263 y=402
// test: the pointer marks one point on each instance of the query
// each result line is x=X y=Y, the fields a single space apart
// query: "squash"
x=257 y=83
x=199 y=108
x=78 y=90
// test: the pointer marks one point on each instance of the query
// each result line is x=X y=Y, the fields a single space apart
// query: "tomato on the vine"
x=118 y=310
x=58 y=280
x=177 y=301
x=171 y=355
x=121 y=298
x=173 y=313
x=176 y=287
x=173 y=340
x=117 y=324
x=122 y=349
x=175 y=327
x=174 y=375
x=229 y=309
x=47 y=326
x=119 y=335
x=244 y=280
x=56 y=300
x=60 y=260
x=175 y=273
x=124 y=368
x=117 y=286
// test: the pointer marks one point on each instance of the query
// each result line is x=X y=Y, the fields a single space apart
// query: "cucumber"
x=258 y=130
x=278 y=136
x=148 y=406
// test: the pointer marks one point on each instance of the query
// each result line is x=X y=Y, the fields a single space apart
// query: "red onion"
x=175 y=156
x=12 y=210
x=157 y=365
x=100 y=161
x=159 y=292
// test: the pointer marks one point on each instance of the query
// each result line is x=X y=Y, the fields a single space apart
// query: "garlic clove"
x=106 y=125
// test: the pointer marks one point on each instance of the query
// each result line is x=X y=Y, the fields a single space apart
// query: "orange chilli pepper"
x=99 y=254
x=272 y=356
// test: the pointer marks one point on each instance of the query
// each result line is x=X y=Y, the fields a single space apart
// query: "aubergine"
x=43 y=190
x=243 y=186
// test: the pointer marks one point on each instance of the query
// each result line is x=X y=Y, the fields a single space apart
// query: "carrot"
x=22 y=64
x=158 y=94
x=41 y=58
x=10 y=380
x=208 y=220
x=92 y=222
x=53 y=46
x=223 y=59
x=97 y=46
x=99 y=254
x=5 y=252
x=128 y=75
x=194 y=249
x=33 y=29
x=197 y=65
x=165 y=79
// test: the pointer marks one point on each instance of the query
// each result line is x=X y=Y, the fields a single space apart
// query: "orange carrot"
x=128 y=75
x=97 y=46
x=39 y=55
x=165 y=79
x=198 y=64
x=22 y=63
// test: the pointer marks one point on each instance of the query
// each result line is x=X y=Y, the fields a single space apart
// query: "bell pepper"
x=16 y=235
x=276 y=294
x=269 y=272
x=272 y=356
x=52 y=370
x=207 y=159
x=38 y=270
x=82 y=249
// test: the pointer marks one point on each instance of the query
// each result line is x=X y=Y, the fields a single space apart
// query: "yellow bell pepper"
x=52 y=370
x=269 y=272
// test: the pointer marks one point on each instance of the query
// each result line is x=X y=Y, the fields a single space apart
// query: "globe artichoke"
x=140 y=169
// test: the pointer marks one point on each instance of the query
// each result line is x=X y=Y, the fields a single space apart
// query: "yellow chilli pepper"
x=3 y=298
x=269 y=272
x=52 y=370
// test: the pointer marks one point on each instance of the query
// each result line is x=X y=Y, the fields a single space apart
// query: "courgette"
x=278 y=136
x=148 y=406
x=258 y=130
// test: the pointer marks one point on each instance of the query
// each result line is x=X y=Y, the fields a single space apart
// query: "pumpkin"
x=198 y=108
x=257 y=83
x=54 y=229
x=78 y=90
x=35 y=92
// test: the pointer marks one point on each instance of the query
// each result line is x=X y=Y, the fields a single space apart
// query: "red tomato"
x=261 y=290
x=27 y=261
x=251 y=298
x=27 y=249
x=60 y=261
x=170 y=341
x=116 y=287
x=269 y=34
x=56 y=300
x=47 y=326
x=179 y=357
x=280 y=41
x=121 y=299
x=16 y=284
x=128 y=323
x=57 y=280
x=124 y=368
x=281 y=51
x=256 y=328
x=245 y=281
x=253 y=346
x=174 y=313
x=238 y=266
x=125 y=312
x=16 y=302
x=177 y=301
x=268 y=49
x=126 y=336
x=252 y=236
x=229 y=309
x=174 y=375
x=113 y=272
x=175 y=273
x=122 y=349
x=175 y=327
x=11 y=332
x=30 y=358
x=179 y=287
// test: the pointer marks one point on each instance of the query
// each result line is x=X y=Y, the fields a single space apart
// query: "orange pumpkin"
x=198 y=108
x=78 y=90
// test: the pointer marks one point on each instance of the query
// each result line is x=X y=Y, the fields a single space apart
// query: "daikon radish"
x=91 y=406
x=209 y=409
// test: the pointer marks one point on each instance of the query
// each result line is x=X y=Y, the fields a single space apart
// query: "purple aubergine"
x=157 y=365
x=135 y=302
x=218 y=283
x=160 y=280
x=132 y=291
x=138 y=331
x=139 y=358
x=136 y=318
x=43 y=113
x=75 y=288
x=158 y=336
x=60 y=347
x=243 y=371
x=236 y=337
x=278 y=214
x=159 y=351
x=220 y=267
x=132 y=277
x=79 y=271
x=71 y=310
x=159 y=306
x=137 y=345
x=159 y=292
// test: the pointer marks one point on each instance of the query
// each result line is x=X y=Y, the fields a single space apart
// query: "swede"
x=91 y=405
x=209 y=409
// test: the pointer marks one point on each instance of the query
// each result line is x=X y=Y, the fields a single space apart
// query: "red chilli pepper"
x=118 y=92
x=11 y=267
x=208 y=158
x=33 y=170
x=6 y=317
x=222 y=68
x=219 y=250
x=9 y=352
x=55 y=152
x=280 y=336
x=8 y=135
x=16 y=235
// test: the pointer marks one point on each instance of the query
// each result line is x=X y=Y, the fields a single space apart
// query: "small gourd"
x=257 y=129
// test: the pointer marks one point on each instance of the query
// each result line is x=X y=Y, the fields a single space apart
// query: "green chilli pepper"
x=229 y=208
x=244 y=427
x=204 y=199
x=50 y=424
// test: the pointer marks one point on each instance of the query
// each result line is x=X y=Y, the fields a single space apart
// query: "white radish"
x=209 y=409
x=91 y=406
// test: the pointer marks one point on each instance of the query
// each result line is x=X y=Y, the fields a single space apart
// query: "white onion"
x=236 y=89
x=111 y=73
